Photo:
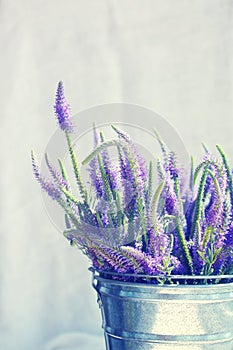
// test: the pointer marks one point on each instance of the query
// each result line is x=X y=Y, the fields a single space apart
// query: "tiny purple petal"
x=62 y=109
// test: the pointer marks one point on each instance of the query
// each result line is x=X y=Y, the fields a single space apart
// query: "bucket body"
x=138 y=316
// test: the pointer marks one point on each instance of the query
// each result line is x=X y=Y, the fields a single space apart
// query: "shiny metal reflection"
x=139 y=316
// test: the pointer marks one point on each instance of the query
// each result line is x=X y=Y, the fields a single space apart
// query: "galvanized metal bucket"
x=139 y=316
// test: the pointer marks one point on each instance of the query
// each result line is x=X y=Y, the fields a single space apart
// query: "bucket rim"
x=173 y=278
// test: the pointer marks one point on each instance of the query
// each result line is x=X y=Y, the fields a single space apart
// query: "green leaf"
x=160 y=168
x=184 y=244
x=150 y=182
x=205 y=147
x=216 y=253
x=228 y=170
x=191 y=181
x=197 y=171
x=217 y=187
x=210 y=255
x=105 y=179
x=155 y=200
x=199 y=202
x=69 y=196
x=67 y=221
x=101 y=148
x=202 y=256
x=171 y=241
x=63 y=172
x=162 y=144
x=208 y=232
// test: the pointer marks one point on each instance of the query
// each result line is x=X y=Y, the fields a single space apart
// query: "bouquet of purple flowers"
x=126 y=227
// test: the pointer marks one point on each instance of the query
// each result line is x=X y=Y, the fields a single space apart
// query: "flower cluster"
x=127 y=227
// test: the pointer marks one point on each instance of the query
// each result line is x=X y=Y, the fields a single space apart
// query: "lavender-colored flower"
x=171 y=165
x=111 y=259
x=158 y=241
x=62 y=109
x=48 y=186
x=134 y=164
x=102 y=172
x=141 y=262
x=109 y=168
x=124 y=229
x=122 y=165
x=216 y=185
x=51 y=189
x=164 y=250
x=135 y=177
x=229 y=236
x=139 y=160
x=177 y=267
x=198 y=262
x=171 y=200
x=188 y=206
x=127 y=183
x=55 y=174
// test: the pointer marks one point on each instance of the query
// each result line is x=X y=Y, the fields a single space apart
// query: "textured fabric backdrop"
x=175 y=57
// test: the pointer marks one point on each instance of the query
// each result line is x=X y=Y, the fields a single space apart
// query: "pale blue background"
x=175 y=57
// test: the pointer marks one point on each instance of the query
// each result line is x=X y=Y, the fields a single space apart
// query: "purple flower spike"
x=46 y=185
x=62 y=109
x=171 y=167
x=171 y=200
x=51 y=189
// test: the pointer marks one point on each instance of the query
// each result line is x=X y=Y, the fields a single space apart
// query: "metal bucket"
x=138 y=316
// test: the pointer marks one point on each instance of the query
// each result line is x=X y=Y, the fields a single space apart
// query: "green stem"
x=150 y=183
x=82 y=190
x=184 y=245
x=63 y=172
x=155 y=199
x=177 y=191
x=68 y=210
x=191 y=182
x=105 y=179
x=181 y=234
x=228 y=170
x=199 y=203
x=69 y=196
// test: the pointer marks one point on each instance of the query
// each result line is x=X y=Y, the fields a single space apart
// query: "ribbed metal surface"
x=151 y=317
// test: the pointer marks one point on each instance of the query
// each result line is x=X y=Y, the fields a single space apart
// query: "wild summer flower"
x=62 y=109
x=125 y=226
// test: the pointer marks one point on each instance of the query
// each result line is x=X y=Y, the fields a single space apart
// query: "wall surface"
x=174 y=57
